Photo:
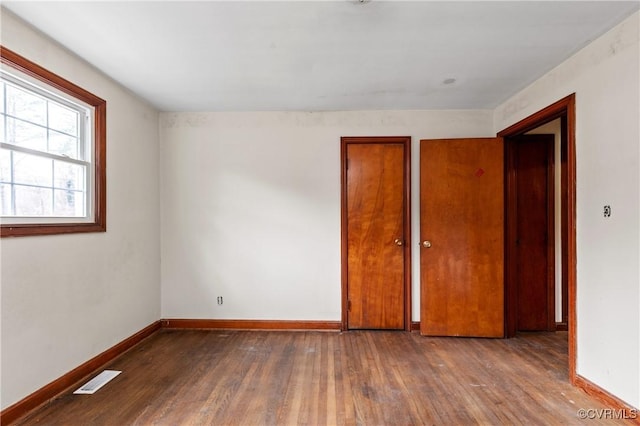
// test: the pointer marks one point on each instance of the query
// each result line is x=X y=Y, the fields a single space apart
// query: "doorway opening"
x=530 y=235
x=565 y=156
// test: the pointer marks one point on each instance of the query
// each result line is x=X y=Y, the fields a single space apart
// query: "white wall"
x=67 y=298
x=605 y=78
x=251 y=207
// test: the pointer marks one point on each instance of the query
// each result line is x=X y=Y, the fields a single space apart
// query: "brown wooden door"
x=462 y=218
x=534 y=248
x=375 y=195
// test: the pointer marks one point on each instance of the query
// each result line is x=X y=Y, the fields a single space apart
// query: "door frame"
x=405 y=141
x=566 y=110
x=511 y=219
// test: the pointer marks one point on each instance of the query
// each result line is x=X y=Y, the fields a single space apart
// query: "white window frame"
x=85 y=138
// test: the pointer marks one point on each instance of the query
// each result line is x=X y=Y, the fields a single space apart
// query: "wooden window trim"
x=99 y=190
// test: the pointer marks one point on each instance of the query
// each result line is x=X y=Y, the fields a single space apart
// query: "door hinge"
x=347 y=164
x=349 y=305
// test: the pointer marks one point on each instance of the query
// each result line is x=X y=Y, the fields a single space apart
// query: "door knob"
x=398 y=242
x=426 y=244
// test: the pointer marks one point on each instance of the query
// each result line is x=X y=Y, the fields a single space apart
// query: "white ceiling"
x=324 y=55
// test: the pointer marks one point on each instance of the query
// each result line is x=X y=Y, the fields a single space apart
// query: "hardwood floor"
x=195 y=377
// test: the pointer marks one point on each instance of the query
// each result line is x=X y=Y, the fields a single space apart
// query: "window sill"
x=24 y=230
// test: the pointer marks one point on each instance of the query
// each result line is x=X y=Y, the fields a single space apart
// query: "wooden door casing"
x=565 y=109
x=375 y=233
x=462 y=216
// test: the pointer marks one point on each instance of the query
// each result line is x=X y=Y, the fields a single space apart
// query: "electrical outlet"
x=220 y=300
x=607 y=211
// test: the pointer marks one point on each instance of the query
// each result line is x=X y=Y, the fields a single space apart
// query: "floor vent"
x=97 y=382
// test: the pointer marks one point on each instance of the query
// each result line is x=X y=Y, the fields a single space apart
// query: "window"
x=52 y=152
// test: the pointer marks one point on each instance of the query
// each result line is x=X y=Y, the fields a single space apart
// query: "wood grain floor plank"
x=231 y=377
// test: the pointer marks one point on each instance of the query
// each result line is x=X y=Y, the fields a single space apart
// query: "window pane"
x=63 y=119
x=2 y=128
x=32 y=170
x=68 y=203
x=1 y=97
x=62 y=144
x=5 y=165
x=5 y=199
x=68 y=176
x=26 y=106
x=32 y=201
x=26 y=135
